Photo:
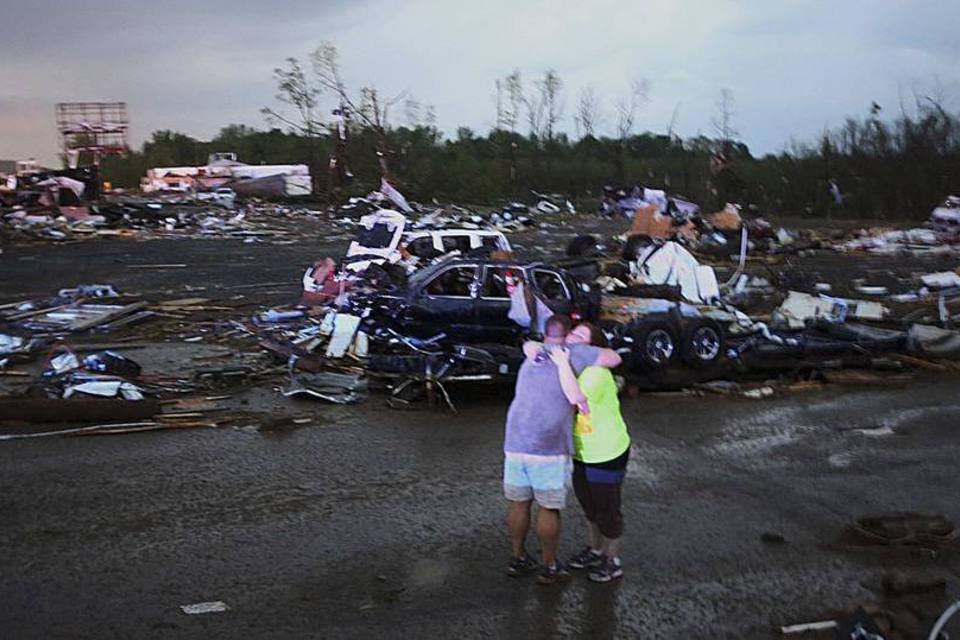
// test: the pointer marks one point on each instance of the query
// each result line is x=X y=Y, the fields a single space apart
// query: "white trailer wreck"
x=223 y=170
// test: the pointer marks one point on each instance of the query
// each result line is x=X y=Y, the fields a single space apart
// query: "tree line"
x=870 y=166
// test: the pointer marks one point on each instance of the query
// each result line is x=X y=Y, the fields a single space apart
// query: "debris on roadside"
x=431 y=294
x=901 y=607
x=925 y=531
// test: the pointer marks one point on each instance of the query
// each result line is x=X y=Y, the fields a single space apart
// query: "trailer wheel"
x=702 y=344
x=655 y=345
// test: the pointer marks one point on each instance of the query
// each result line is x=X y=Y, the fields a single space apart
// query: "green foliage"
x=885 y=169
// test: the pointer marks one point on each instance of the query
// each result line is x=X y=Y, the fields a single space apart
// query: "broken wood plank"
x=130 y=319
x=182 y=415
x=83 y=325
x=13 y=305
x=183 y=302
x=178 y=265
x=863 y=377
x=69 y=432
x=108 y=346
x=920 y=363
x=808 y=626
x=36 y=312
x=107 y=431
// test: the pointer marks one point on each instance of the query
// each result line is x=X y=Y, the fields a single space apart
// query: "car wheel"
x=702 y=344
x=655 y=345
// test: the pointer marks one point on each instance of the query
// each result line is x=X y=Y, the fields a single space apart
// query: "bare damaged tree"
x=724 y=179
x=294 y=89
x=723 y=121
x=513 y=88
x=510 y=100
x=587 y=118
x=544 y=106
x=366 y=109
x=627 y=109
x=429 y=116
x=370 y=108
x=413 y=112
x=628 y=106
x=533 y=104
x=550 y=89
x=673 y=121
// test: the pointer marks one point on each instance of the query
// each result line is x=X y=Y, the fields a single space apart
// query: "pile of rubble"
x=54 y=212
x=137 y=217
x=426 y=296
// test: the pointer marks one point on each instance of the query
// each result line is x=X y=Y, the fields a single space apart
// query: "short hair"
x=557 y=326
x=597 y=338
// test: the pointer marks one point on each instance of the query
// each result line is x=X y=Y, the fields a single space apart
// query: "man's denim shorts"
x=546 y=479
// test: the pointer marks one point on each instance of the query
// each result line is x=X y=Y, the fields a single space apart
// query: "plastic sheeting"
x=670 y=264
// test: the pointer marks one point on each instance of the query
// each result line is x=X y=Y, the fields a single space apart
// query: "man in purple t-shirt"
x=537 y=447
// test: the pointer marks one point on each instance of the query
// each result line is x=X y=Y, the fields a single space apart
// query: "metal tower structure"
x=96 y=127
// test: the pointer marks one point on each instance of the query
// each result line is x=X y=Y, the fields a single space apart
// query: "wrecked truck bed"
x=654 y=334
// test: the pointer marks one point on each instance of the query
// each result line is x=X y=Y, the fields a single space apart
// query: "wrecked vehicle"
x=378 y=241
x=945 y=220
x=427 y=245
x=654 y=334
x=383 y=240
x=470 y=300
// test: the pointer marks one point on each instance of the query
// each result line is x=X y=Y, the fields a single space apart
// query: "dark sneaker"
x=553 y=574
x=522 y=566
x=611 y=569
x=586 y=559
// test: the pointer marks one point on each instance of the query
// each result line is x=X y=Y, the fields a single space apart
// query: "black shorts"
x=598 y=486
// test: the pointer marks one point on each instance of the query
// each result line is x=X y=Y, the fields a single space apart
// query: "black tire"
x=702 y=343
x=654 y=346
x=584 y=246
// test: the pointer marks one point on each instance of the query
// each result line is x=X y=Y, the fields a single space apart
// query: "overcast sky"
x=794 y=67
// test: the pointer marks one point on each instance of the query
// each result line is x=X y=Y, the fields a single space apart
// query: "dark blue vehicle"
x=468 y=300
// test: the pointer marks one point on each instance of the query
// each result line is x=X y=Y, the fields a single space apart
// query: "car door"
x=493 y=305
x=444 y=304
x=552 y=289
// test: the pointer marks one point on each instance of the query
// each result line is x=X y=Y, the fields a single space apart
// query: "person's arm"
x=531 y=349
x=568 y=381
x=608 y=359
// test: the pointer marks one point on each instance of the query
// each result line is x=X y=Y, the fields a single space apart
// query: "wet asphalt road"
x=375 y=523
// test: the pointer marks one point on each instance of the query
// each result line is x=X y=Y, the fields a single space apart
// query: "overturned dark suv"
x=468 y=300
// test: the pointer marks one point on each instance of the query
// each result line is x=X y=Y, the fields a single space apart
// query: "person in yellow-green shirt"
x=601 y=448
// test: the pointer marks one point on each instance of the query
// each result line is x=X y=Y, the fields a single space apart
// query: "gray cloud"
x=794 y=67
